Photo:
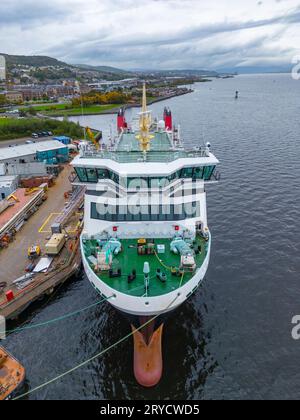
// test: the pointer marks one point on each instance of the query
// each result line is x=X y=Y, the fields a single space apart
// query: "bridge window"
x=82 y=175
x=93 y=175
x=103 y=173
x=208 y=171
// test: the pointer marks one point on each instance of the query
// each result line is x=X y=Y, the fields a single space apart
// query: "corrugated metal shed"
x=63 y=139
x=16 y=152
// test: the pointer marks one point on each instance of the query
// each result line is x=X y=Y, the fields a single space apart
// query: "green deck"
x=129 y=260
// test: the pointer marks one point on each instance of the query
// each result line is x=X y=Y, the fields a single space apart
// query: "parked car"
x=50 y=133
x=29 y=142
x=45 y=133
x=40 y=134
x=34 y=136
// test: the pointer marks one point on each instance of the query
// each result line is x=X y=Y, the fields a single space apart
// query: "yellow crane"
x=94 y=138
x=12 y=196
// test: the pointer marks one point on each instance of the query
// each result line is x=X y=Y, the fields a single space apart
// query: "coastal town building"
x=40 y=92
x=14 y=96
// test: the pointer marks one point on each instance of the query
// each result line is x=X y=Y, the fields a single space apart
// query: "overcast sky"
x=167 y=34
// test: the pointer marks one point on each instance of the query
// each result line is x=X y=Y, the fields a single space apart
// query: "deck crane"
x=93 y=138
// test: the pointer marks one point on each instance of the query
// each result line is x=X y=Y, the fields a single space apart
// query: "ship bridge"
x=162 y=161
x=145 y=181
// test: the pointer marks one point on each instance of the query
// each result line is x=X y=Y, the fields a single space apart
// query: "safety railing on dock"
x=76 y=199
x=20 y=217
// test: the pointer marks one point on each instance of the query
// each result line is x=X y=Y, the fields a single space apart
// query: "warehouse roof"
x=29 y=149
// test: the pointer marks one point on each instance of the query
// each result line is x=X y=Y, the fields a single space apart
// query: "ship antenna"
x=144 y=136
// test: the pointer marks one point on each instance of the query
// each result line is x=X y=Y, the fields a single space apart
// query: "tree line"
x=12 y=128
x=96 y=98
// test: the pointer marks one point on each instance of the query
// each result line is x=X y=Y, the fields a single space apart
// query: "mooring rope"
x=61 y=318
x=162 y=263
x=51 y=381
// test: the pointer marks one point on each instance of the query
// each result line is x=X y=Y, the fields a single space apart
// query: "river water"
x=232 y=340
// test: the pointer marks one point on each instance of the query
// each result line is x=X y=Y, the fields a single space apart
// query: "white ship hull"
x=147 y=306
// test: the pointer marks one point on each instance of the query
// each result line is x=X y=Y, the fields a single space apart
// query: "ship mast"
x=144 y=136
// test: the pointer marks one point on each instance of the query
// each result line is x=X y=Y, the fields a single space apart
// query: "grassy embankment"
x=67 y=110
x=12 y=128
x=64 y=110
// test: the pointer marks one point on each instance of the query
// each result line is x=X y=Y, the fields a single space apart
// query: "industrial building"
x=63 y=139
x=8 y=184
x=25 y=169
x=2 y=68
x=49 y=152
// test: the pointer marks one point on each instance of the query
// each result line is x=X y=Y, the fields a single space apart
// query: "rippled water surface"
x=233 y=338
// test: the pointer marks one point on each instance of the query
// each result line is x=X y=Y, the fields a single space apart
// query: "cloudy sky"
x=212 y=34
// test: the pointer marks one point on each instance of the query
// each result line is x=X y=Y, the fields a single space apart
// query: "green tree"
x=2 y=100
x=31 y=111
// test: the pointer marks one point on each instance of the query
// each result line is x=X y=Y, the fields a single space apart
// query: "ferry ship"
x=146 y=243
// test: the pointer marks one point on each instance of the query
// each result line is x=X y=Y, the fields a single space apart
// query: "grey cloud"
x=196 y=46
x=205 y=31
x=178 y=46
x=24 y=12
x=183 y=55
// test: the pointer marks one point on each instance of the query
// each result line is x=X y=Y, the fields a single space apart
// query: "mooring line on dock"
x=57 y=378
x=61 y=318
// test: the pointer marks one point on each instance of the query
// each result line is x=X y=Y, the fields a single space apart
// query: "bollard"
x=9 y=295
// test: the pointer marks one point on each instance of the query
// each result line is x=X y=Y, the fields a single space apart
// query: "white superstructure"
x=146 y=243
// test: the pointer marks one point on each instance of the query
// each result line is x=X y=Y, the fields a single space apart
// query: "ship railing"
x=152 y=156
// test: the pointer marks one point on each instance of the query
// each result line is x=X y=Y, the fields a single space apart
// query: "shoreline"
x=116 y=109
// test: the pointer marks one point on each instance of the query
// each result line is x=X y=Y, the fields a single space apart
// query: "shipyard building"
x=49 y=152
x=8 y=184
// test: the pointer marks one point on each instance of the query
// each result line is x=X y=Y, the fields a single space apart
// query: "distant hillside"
x=43 y=61
x=183 y=73
x=35 y=61
x=104 y=69
x=106 y=72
